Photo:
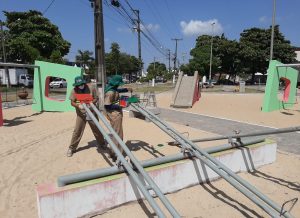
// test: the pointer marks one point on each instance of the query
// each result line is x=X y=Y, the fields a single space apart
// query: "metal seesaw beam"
x=244 y=187
x=151 y=184
x=267 y=132
x=99 y=173
x=126 y=165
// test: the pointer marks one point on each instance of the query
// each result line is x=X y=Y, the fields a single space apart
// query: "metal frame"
x=96 y=174
x=239 y=136
x=288 y=65
x=27 y=66
x=121 y=159
x=243 y=186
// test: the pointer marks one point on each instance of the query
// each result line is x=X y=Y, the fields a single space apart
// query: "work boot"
x=70 y=152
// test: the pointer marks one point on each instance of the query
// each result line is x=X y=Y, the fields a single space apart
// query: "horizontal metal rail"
x=244 y=187
x=287 y=65
x=237 y=136
x=99 y=173
x=18 y=65
x=126 y=165
x=137 y=165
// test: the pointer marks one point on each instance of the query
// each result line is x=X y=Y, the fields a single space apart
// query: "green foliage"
x=86 y=60
x=246 y=57
x=31 y=36
x=255 y=49
x=120 y=63
x=156 y=69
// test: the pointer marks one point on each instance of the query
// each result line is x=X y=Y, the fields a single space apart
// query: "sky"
x=165 y=20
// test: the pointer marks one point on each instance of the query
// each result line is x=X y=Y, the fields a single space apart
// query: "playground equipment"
x=42 y=73
x=276 y=72
x=1 y=114
x=240 y=184
x=93 y=174
x=145 y=183
x=144 y=188
x=187 y=91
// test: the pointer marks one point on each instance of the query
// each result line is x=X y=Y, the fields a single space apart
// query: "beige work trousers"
x=115 y=118
x=79 y=129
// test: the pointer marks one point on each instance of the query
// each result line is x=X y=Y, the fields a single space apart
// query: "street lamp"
x=211 y=46
x=272 y=34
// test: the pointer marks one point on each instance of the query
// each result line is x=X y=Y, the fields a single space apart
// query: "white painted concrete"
x=82 y=199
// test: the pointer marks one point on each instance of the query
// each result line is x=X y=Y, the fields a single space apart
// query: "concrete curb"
x=99 y=195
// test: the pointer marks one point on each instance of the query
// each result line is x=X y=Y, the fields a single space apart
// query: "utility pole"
x=100 y=74
x=4 y=54
x=183 y=56
x=169 y=59
x=211 y=47
x=175 y=55
x=272 y=33
x=138 y=29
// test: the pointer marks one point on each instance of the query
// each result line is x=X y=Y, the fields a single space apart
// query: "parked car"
x=207 y=85
x=16 y=77
x=58 y=83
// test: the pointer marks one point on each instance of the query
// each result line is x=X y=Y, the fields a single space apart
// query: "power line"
x=44 y=12
x=123 y=12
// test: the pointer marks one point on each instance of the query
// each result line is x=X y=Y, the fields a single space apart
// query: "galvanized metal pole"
x=128 y=168
x=4 y=55
x=262 y=133
x=272 y=32
x=136 y=163
x=247 y=189
x=211 y=47
x=99 y=173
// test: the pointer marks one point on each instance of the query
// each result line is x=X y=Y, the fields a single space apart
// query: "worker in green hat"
x=81 y=87
x=114 y=111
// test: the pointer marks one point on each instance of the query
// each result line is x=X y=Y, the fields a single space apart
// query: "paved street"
x=289 y=142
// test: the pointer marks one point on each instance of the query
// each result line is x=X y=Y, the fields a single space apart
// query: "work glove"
x=80 y=106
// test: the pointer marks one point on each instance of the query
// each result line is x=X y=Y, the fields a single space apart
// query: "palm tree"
x=86 y=60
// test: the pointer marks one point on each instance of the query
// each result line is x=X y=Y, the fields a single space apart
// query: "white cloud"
x=124 y=30
x=198 y=27
x=263 y=19
x=151 y=27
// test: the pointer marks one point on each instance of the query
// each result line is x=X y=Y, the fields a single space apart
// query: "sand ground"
x=241 y=107
x=33 y=147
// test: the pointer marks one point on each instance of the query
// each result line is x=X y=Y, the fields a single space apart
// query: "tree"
x=86 y=60
x=255 y=49
x=32 y=36
x=156 y=69
x=120 y=63
x=227 y=52
x=113 y=59
x=201 y=56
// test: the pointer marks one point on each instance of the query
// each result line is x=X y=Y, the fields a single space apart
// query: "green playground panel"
x=41 y=101
x=271 y=101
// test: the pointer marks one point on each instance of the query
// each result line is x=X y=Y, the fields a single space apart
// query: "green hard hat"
x=79 y=81
x=116 y=80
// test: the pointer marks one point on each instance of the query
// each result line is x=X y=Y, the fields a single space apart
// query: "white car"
x=207 y=85
x=58 y=83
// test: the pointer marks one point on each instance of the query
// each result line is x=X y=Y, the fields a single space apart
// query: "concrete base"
x=96 y=196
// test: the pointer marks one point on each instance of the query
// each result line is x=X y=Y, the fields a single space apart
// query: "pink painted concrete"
x=99 y=195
